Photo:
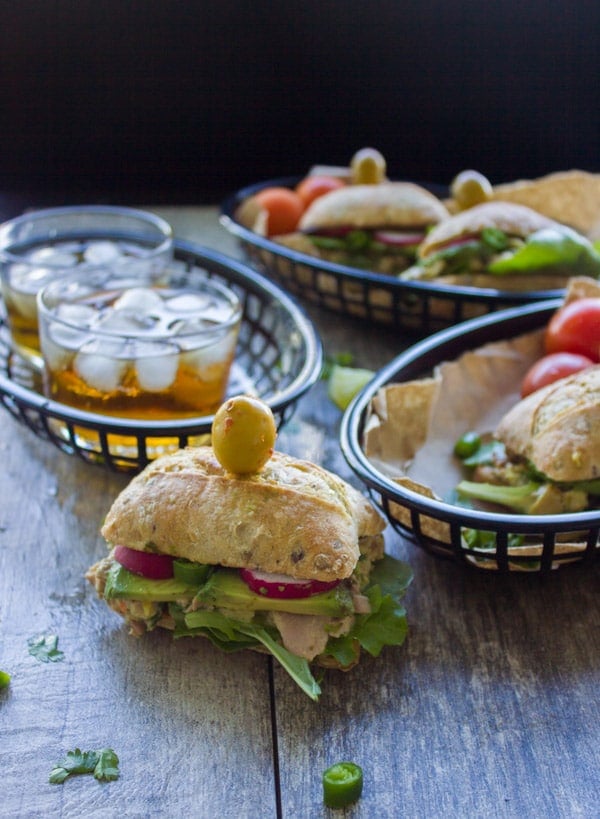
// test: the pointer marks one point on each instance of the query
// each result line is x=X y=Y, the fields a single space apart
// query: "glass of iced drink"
x=40 y=246
x=157 y=347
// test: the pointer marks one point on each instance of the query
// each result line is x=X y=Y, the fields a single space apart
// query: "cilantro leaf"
x=103 y=764
x=44 y=648
x=107 y=767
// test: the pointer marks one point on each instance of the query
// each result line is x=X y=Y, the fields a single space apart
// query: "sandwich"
x=288 y=560
x=505 y=246
x=373 y=227
x=544 y=455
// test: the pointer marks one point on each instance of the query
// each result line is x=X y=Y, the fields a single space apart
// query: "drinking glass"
x=43 y=245
x=154 y=345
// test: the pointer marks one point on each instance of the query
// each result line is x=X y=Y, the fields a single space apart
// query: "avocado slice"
x=121 y=583
x=225 y=589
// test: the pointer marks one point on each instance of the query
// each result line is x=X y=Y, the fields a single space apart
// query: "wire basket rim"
x=352 y=425
x=384 y=281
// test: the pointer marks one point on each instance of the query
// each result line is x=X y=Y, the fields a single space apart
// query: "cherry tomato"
x=550 y=368
x=311 y=187
x=575 y=328
x=284 y=209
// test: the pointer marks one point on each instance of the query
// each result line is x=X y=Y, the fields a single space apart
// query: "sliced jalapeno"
x=342 y=784
x=189 y=572
x=467 y=445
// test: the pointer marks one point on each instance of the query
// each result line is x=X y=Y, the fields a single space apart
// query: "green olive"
x=243 y=434
x=367 y=167
x=471 y=188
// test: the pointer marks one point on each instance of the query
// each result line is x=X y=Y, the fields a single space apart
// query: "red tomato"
x=284 y=208
x=311 y=187
x=550 y=368
x=575 y=328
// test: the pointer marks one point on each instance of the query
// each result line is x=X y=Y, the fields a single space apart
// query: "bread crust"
x=571 y=197
x=389 y=204
x=557 y=428
x=293 y=517
x=516 y=220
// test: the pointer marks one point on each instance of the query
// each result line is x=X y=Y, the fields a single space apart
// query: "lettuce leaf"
x=233 y=635
x=386 y=623
x=551 y=247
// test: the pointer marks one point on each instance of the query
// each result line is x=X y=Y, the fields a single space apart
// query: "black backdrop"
x=180 y=101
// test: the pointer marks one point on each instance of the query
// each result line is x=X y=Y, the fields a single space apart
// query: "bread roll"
x=293 y=517
x=389 y=204
x=557 y=428
x=515 y=220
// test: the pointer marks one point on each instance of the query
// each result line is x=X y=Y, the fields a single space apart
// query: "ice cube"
x=142 y=299
x=124 y=322
x=102 y=252
x=67 y=337
x=156 y=366
x=55 y=256
x=101 y=372
x=27 y=279
x=188 y=303
x=80 y=314
x=216 y=352
x=59 y=344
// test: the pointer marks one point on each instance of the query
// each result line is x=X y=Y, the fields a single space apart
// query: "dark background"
x=183 y=102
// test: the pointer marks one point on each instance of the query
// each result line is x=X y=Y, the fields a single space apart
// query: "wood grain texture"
x=490 y=709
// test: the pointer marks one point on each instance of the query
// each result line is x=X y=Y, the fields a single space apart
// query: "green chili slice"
x=467 y=445
x=189 y=572
x=342 y=784
x=4 y=679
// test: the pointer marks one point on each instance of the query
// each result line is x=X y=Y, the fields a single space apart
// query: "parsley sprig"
x=104 y=764
x=44 y=648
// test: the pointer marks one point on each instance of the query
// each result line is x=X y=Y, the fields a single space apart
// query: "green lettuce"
x=551 y=247
x=233 y=635
x=386 y=624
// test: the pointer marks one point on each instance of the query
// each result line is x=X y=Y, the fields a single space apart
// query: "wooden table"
x=490 y=709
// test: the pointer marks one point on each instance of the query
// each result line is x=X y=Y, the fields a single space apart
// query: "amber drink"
x=150 y=350
x=41 y=246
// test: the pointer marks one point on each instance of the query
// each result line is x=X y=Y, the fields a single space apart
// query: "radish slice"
x=333 y=232
x=146 y=564
x=398 y=238
x=283 y=586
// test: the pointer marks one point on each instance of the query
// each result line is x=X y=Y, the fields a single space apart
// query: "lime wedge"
x=345 y=382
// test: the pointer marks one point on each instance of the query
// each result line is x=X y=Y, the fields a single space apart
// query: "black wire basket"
x=278 y=358
x=439 y=527
x=415 y=308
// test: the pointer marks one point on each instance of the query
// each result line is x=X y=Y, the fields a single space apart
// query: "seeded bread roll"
x=516 y=220
x=389 y=204
x=292 y=518
x=557 y=428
